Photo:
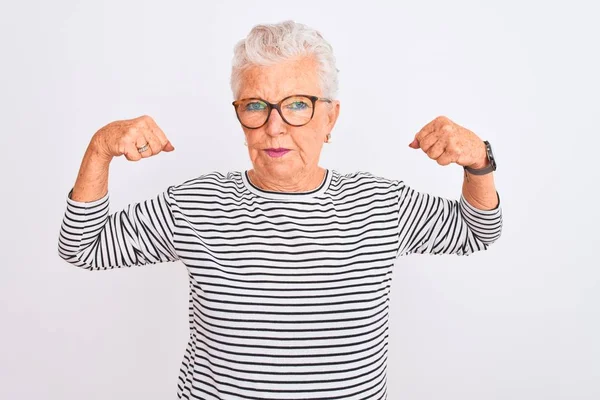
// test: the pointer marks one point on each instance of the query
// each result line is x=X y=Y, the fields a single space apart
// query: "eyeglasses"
x=296 y=110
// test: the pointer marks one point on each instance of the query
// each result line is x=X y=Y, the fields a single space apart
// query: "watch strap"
x=482 y=171
x=492 y=162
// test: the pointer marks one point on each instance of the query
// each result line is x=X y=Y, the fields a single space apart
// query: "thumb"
x=414 y=144
x=168 y=147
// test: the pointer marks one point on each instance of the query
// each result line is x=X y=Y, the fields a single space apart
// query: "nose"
x=275 y=125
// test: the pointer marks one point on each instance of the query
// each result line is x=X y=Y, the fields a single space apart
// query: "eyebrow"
x=297 y=92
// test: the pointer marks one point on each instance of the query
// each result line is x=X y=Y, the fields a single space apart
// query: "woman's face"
x=272 y=84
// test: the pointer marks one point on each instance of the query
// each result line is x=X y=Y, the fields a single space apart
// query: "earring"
x=245 y=143
x=328 y=138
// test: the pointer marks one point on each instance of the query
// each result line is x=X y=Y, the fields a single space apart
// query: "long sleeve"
x=434 y=225
x=142 y=233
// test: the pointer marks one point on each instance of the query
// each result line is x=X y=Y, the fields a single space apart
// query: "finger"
x=131 y=152
x=430 y=140
x=431 y=127
x=414 y=144
x=423 y=133
x=165 y=144
x=142 y=141
x=160 y=142
x=154 y=144
x=169 y=147
x=445 y=158
x=436 y=150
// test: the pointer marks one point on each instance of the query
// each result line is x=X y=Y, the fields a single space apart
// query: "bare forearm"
x=480 y=190
x=92 y=179
x=134 y=138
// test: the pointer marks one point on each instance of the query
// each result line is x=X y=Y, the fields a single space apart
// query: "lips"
x=277 y=152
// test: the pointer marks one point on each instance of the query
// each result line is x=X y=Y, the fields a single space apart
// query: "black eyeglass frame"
x=277 y=106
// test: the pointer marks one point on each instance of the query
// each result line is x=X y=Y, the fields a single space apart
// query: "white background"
x=520 y=321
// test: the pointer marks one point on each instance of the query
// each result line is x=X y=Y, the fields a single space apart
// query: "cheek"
x=308 y=141
x=253 y=137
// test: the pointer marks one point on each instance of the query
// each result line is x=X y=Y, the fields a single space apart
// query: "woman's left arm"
x=445 y=226
x=447 y=142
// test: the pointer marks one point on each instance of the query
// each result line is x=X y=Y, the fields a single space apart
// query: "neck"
x=303 y=182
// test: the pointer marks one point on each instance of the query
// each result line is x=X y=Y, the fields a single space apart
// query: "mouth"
x=277 y=152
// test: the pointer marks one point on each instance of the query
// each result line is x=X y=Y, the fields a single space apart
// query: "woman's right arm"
x=92 y=238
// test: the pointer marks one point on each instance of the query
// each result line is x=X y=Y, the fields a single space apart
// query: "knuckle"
x=131 y=131
x=150 y=122
x=142 y=127
x=142 y=123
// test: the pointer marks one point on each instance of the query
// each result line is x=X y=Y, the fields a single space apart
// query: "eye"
x=255 y=106
x=297 y=105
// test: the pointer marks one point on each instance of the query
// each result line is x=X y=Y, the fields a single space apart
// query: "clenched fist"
x=135 y=138
x=447 y=142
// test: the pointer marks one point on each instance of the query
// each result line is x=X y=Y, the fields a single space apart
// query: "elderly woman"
x=290 y=263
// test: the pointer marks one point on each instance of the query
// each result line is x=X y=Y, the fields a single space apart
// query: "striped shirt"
x=289 y=292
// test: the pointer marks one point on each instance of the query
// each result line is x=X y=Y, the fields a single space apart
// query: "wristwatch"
x=490 y=156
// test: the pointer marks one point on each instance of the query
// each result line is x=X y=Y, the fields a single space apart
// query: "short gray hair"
x=269 y=44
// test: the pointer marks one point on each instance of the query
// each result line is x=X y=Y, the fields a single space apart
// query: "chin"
x=280 y=169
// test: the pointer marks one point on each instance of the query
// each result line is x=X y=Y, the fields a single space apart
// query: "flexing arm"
x=142 y=233
x=434 y=225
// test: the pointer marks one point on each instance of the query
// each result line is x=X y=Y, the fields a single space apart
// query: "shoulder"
x=213 y=181
x=363 y=179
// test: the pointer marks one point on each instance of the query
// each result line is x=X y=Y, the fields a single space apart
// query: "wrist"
x=483 y=160
x=97 y=152
x=481 y=164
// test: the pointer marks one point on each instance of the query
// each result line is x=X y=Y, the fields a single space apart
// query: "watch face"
x=490 y=154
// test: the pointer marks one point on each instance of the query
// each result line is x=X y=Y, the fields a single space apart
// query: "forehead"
x=274 y=82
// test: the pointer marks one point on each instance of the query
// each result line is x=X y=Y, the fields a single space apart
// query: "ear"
x=333 y=114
